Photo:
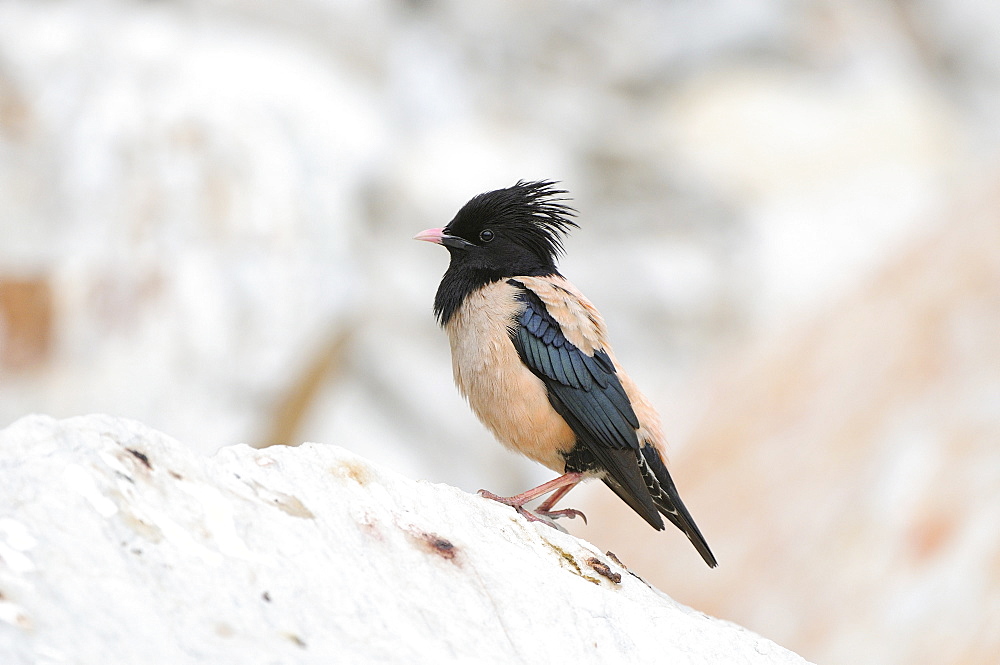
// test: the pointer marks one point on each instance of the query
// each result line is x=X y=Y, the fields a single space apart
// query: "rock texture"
x=120 y=545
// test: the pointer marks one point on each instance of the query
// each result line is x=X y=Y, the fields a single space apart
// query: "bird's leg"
x=559 y=486
x=545 y=509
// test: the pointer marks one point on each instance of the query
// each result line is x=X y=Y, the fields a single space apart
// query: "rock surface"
x=119 y=544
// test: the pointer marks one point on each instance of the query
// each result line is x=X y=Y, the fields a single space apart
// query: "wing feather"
x=586 y=391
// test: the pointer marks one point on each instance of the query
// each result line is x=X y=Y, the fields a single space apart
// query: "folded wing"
x=585 y=390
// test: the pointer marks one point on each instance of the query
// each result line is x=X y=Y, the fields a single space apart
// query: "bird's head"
x=507 y=232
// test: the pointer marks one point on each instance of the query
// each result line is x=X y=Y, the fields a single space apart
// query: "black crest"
x=517 y=231
x=532 y=214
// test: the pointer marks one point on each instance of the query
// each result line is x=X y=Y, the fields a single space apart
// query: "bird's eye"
x=486 y=235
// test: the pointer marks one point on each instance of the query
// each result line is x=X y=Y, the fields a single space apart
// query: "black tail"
x=668 y=501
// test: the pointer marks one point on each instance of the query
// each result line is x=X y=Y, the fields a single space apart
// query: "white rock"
x=120 y=545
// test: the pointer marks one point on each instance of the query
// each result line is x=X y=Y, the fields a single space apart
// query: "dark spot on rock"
x=566 y=557
x=443 y=547
x=353 y=470
x=435 y=544
x=285 y=502
x=369 y=524
x=296 y=640
x=124 y=477
x=176 y=475
x=141 y=456
x=266 y=596
x=602 y=569
x=611 y=555
x=292 y=506
x=147 y=530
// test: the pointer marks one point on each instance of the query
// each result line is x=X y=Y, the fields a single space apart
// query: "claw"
x=569 y=513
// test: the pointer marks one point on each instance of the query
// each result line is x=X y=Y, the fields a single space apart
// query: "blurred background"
x=789 y=218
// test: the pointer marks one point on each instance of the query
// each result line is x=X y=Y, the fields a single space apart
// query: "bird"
x=531 y=355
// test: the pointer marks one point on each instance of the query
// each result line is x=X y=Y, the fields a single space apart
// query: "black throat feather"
x=457 y=284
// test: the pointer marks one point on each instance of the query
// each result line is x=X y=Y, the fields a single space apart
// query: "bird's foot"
x=514 y=502
x=546 y=517
x=568 y=513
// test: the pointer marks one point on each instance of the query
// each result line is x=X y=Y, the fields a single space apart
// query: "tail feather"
x=631 y=499
x=668 y=501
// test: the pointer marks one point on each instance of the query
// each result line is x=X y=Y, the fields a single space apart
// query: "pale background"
x=788 y=217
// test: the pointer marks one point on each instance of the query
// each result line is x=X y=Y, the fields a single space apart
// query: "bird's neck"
x=455 y=286
x=459 y=281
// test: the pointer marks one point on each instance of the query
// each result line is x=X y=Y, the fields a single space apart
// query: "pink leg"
x=559 y=486
x=545 y=509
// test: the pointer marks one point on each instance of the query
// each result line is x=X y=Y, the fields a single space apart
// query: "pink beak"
x=430 y=235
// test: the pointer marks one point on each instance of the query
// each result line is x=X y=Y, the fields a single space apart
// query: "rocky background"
x=789 y=219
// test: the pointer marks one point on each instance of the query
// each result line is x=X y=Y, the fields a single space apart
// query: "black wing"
x=586 y=392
